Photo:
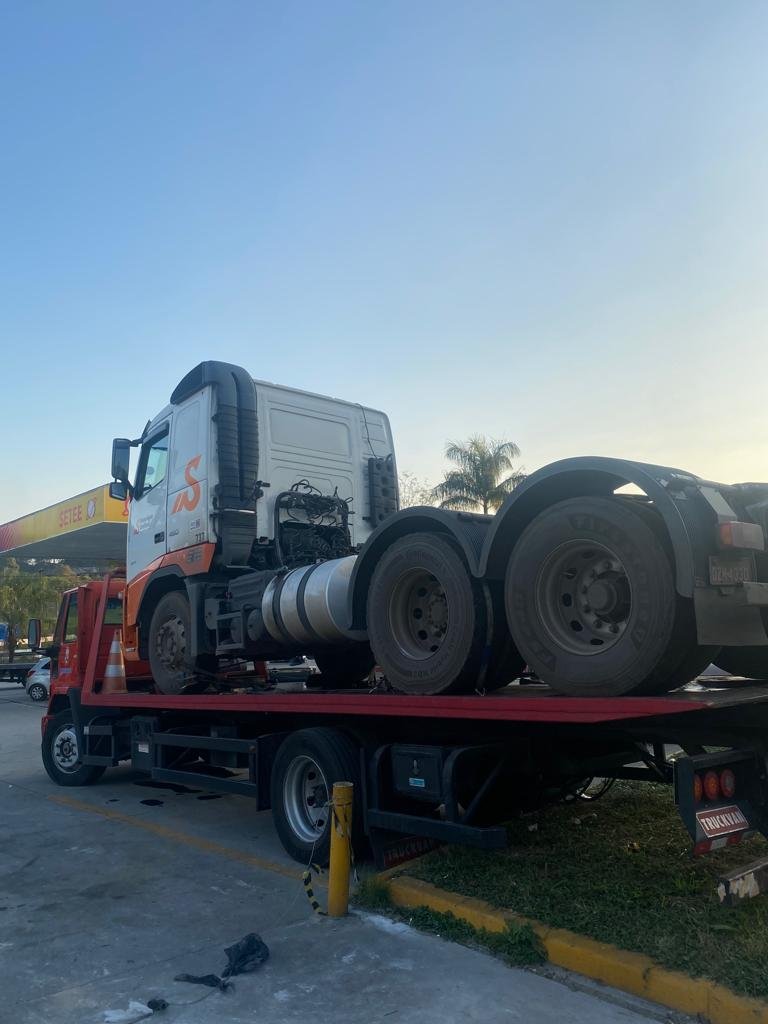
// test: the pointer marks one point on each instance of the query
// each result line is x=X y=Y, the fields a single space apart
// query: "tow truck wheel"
x=169 y=631
x=591 y=600
x=306 y=766
x=427 y=617
x=61 y=754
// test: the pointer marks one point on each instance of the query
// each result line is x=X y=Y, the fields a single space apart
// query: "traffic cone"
x=114 y=673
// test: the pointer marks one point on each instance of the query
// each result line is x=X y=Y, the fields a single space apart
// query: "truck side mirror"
x=34 y=633
x=121 y=459
x=118 y=489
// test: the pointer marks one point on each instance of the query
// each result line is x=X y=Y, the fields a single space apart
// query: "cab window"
x=153 y=463
x=70 y=627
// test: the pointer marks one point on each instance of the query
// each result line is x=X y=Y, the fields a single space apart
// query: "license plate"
x=729 y=572
x=722 y=821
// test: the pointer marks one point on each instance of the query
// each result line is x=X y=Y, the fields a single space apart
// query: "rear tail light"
x=734 y=534
x=698 y=789
x=30 y=673
x=711 y=786
x=727 y=783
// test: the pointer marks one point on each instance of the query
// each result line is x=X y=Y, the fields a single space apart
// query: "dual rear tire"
x=589 y=603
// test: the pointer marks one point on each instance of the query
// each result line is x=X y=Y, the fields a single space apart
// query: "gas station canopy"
x=87 y=527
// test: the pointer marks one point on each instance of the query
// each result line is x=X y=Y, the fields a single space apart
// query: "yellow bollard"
x=341 y=849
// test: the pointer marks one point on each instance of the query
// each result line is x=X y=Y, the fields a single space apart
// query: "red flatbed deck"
x=530 y=703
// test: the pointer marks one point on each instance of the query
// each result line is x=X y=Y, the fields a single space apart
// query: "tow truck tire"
x=306 y=766
x=751 y=662
x=169 y=632
x=344 y=668
x=591 y=600
x=61 y=756
x=427 y=617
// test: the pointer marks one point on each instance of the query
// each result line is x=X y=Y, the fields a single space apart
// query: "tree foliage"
x=31 y=590
x=414 y=491
x=485 y=474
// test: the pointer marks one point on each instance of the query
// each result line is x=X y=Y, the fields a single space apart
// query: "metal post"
x=341 y=849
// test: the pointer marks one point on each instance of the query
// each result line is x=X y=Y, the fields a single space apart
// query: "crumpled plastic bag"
x=136 y=1011
x=243 y=956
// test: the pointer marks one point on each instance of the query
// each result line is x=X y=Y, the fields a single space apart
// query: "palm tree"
x=484 y=477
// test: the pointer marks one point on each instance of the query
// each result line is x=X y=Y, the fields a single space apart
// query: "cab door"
x=189 y=473
x=147 y=522
x=66 y=665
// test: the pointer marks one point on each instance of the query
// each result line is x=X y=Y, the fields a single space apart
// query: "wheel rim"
x=305 y=798
x=171 y=645
x=37 y=692
x=584 y=597
x=66 y=755
x=418 y=614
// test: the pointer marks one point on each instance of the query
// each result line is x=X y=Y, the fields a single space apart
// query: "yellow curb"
x=630 y=972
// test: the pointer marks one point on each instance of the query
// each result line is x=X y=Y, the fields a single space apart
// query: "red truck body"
x=465 y=748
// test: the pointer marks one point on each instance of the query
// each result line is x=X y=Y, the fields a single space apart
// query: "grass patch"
x=518 y=945
x=620 y=871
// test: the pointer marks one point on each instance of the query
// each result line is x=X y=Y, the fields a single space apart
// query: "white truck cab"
x=238 y=476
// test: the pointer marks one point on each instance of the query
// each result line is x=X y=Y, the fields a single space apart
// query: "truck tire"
x=427 y=617
x=751 y=662
x=306 y=766
x=169 y=631
x=591 y=601
x=61 y=757
x=344 y=668
x=505 y=663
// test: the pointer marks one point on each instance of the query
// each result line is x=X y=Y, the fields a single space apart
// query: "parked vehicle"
x=38 y=680
x=16 y=671
x=264 y=524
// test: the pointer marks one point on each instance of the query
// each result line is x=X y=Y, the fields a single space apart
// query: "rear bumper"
x=725 y=819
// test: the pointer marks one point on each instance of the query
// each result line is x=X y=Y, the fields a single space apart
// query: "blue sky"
x=541 y=220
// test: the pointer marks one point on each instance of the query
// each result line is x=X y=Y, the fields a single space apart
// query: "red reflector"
x=711 y=786
x=698 y=789
x=727 y=783
x=742 y=535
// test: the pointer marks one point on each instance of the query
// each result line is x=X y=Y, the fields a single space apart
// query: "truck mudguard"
x=467 y=528
x=689 y=521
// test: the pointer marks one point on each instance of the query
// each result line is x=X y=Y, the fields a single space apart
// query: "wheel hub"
x=418 y=614
x=171 y=644
x=583 y=597
x=305 y=797
x=65 y=752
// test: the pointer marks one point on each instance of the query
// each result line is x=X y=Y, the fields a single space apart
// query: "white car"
x=38 y=680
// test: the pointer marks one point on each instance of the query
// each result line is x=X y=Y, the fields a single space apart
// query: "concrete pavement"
x=105 y=897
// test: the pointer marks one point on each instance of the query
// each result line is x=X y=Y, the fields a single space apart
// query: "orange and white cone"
x=114 y=673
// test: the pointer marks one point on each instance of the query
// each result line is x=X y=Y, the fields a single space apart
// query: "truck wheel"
x=344 y=668
x=591 y=600
x=505 y=662
x=306 y=765
x=751 y=662
x=61 y=755
x=427 y=617
x=169 y=631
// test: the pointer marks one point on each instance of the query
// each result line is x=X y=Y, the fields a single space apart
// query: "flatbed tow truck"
x=427 y=769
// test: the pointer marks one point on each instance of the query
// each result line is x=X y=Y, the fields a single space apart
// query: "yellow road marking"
x=194 y=842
